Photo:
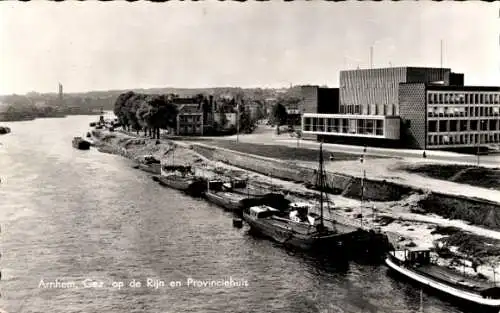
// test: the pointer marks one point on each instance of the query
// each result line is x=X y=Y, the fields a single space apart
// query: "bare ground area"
x=464 y=174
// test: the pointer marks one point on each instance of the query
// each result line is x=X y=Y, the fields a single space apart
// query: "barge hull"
x=288 y=238
x=464 y=297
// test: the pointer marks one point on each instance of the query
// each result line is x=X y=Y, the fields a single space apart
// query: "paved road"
x=268 y=137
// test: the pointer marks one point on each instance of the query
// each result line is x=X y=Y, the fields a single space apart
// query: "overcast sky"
x=119 y=45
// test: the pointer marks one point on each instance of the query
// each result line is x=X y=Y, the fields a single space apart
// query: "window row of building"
x=372 y=109
x=190 y=118
x=344 y=126
x=463 y=111
x=463 y=139
x=463 y=125
x=463 y=98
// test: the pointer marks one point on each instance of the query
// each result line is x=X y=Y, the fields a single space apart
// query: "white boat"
x=415 y=264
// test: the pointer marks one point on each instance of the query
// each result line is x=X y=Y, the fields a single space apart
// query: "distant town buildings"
x=412 y=107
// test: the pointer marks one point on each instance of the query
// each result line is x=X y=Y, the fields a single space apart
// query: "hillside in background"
x=33 y=104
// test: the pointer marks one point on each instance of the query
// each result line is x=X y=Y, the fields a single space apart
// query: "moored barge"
x=189 y=184
x=415 y=265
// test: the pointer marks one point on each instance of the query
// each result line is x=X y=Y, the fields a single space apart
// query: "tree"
x=132 y=105
x=247 y=125
x=144 y=114
x=166 y=116
x=157 y=112
x=260 y=110
x=120 y=108
x=279 y=116
x=223 y=118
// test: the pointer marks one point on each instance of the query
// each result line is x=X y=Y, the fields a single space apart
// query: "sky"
x=119 y=45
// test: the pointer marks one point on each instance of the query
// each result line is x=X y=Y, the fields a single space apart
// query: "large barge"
x=237 y=197
x=416 y=266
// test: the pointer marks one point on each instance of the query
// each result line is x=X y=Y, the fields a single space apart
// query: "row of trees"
x=149 y=113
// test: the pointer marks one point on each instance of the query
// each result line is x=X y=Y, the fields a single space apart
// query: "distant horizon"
x=91 y=47
x=240 y=87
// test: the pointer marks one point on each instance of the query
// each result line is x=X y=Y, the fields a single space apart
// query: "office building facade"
x=392 y=107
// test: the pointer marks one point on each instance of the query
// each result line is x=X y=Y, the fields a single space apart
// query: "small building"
x=189 y=120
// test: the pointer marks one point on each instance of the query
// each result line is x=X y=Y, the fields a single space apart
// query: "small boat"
x=187 y=183
x=149 y=168
x=149 y=164
x=4 y=130
x=297 y=227
x=415 y=264
x=80 y=143
x=227 y=200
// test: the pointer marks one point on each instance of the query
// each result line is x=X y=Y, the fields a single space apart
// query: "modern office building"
x=412 y=107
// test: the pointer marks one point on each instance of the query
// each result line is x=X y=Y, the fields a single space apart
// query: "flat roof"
x=399 y=67
x=351 y=116
x=438 y=87
x=462 y=88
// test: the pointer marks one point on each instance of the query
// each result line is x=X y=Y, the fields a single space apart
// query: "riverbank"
x=400 y=217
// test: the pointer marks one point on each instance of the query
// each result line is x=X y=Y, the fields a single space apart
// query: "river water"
x=70 y=217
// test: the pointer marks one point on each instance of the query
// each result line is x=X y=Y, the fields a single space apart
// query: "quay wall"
x=476 y=211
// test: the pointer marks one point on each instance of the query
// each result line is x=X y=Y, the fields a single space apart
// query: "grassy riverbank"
x=282 y=152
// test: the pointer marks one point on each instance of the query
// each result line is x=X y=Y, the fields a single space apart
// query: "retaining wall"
x=476 y=211
x=338 y=183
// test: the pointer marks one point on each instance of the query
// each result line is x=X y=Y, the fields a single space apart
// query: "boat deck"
x=451 y=276
x=230 y=195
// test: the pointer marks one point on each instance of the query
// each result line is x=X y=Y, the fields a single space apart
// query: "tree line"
x=150 y=113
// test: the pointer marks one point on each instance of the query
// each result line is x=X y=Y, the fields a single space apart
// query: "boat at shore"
x=148 y=164
x=415 y=265
x=80 y=143
x=189 y=184
x=4 y=130
x=148 y=168
x=233 y=198
x=297 y=227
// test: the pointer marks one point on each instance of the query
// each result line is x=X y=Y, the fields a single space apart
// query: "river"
x=80 y=229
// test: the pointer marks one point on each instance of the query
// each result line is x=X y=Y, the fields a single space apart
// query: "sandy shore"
x=404 y=227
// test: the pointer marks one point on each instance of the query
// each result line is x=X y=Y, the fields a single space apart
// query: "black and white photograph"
x=249 y=156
